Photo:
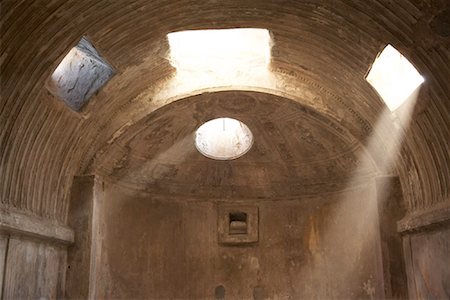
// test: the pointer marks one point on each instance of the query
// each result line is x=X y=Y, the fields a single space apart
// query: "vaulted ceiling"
x=296 y=151
x=321 y=53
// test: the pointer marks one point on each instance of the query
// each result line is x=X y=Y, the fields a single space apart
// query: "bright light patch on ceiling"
x=223 y=139
x=394 y=77
x=219 y=50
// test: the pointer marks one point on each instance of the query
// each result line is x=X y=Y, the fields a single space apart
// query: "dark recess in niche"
x=238 y=223
x=219 y=292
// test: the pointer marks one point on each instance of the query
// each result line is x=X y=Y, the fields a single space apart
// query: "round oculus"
x=223 y=139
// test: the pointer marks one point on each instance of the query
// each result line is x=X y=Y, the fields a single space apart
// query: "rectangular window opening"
x=81 y=73
x=393 y=77
x=219 y=50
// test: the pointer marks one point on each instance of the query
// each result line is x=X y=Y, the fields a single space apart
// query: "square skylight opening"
x=81 y=73
x=219 y=50
x=393 y=77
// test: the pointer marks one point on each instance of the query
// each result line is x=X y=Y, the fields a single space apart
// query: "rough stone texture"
x=32 y=257
x=34 y=270
x=3 y=250
x=432 y=218
x=390 y=211
x=36 y=227
x=428 y=261
x=308 y=248
x=441 y=23
x=79 y=254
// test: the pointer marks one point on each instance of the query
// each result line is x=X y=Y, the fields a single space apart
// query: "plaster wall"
x=31 y=269
x=312 y=248
x=79 y=253
x=428 y=263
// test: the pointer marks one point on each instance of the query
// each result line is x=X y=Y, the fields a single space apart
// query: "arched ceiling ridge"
x=158 y=154
x=36 y=34
x=283 y=89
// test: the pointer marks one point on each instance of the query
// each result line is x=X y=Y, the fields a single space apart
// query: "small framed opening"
x=238 y=223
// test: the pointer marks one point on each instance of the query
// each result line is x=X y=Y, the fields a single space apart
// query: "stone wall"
x=32 y=256
x=428 y=264
x=307 y=248
x=31 y=269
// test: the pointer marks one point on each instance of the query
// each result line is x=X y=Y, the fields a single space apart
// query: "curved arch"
x=329 y=45
x=292 y=142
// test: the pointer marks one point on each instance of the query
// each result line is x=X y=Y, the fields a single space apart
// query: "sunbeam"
x=358 y=209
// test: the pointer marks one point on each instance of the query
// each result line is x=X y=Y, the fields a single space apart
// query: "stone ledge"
x=22 y=224
x=437 y=216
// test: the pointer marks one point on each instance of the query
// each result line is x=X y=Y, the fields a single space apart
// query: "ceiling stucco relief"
x=320 y=55
x=295 y=152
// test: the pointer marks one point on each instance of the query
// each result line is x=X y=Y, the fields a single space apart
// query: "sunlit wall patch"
x=219 y=50
x=81 y=73
x=223 y=139
x=393 y=77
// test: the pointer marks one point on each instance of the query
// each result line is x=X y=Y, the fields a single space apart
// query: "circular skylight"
x=223 y=139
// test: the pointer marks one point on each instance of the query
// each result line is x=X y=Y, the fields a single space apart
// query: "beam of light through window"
x=393 y=77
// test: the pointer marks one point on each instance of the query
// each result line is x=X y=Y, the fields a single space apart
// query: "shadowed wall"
x=168 y=248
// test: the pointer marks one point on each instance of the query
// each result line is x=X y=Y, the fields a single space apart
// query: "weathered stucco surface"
x=428 y=264
x=168 y=248
x=32 y=269
x=320 y=131
x=321 y=49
